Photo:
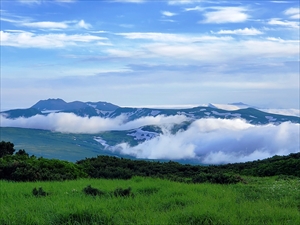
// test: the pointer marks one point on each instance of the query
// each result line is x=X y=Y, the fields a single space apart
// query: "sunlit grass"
x=155 y=201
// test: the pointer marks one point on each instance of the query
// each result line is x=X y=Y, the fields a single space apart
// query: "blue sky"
x=145 y=52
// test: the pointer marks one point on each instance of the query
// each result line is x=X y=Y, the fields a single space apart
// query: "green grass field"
x=259 y=201
x=63 y=146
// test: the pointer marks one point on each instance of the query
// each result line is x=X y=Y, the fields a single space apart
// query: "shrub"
x=217 y=178
x=120 y=192
x=6 y=148
x=39 y=192
x=89 y=190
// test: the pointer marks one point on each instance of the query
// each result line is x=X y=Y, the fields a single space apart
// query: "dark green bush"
x=39 y=192
x=6 y=148
x=89 y=190
x=217 y=178
x=120 y=192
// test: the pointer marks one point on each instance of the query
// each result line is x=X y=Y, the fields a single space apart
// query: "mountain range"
x=109 y=110
x=73 y=146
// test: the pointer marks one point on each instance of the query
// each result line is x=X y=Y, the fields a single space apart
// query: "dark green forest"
x=20 y=166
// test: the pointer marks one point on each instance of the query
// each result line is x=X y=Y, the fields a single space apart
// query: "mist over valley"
x=203 y=135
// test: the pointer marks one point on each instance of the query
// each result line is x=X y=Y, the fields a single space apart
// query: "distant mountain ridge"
x=230 y=106
x=59 y=104
x=108 y=110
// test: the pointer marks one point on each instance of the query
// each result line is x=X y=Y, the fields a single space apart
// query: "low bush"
x=39 y=192
x=217 y=178
x=89 y=190
x=120 y=192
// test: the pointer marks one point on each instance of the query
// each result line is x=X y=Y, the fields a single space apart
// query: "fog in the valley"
x=209 y=141
x=70 y=123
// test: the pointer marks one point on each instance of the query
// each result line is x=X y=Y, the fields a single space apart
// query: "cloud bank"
x=70 y=123
x=208 y=141
x=216 y=141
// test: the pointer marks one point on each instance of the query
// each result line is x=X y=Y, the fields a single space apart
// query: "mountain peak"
x=50 y=104
x=61 y=105
x=229 y=106
x=238 y=104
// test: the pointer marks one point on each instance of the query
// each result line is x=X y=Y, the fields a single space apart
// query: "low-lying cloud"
x=71 y=123
x=215 y=141
x=208 y=141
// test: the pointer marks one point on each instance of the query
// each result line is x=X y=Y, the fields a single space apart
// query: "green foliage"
x=217 y=178
x=6 y=148
x=39 y=192
x=120 y=168
x=89 y=190
x=21 y=167
x=22 y=152
x=276 y=165
x=121 y=192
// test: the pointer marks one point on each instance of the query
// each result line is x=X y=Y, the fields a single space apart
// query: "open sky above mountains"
x=144 y=52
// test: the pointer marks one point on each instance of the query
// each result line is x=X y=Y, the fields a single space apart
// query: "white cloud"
x=226 y=15
x=214 y=141
x=196 y=8
x=70 y=123
x=182 y=2
x=293 y=13
x=168 y=37
x=66 y=1
x=84 y=25
x=31 y=40
x=192 y=47
x=46 y=25
x=130 y=1
x=223 y=50
x=167 y=13
x=27 y=22
x=30 y=1
x=278 y=22
x=245 y=31
x=288 y=112
x=127 y=25
x=41 y=1
x=281 y=2
x=206 y=140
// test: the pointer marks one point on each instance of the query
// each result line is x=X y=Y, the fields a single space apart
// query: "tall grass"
x=155 y=201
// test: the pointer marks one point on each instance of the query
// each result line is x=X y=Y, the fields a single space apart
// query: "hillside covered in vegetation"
x=19 y=166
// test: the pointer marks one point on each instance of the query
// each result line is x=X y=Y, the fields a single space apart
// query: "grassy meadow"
x=273 y=200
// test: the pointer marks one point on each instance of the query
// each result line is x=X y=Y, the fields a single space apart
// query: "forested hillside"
x=19 y=166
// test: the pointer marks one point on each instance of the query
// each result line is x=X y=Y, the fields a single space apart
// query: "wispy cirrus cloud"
x=280 y=2
x=30 y=2
x=46 y=25
x=196 y=8
x=129 y=1
x=27 y=22
x=31 y=40
x=183 y=2
x=216 y=50
x=167 y=13
x=245 y=31
x=283 y=23
x=169 y=37
x=66 y=1
x=225 y=15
